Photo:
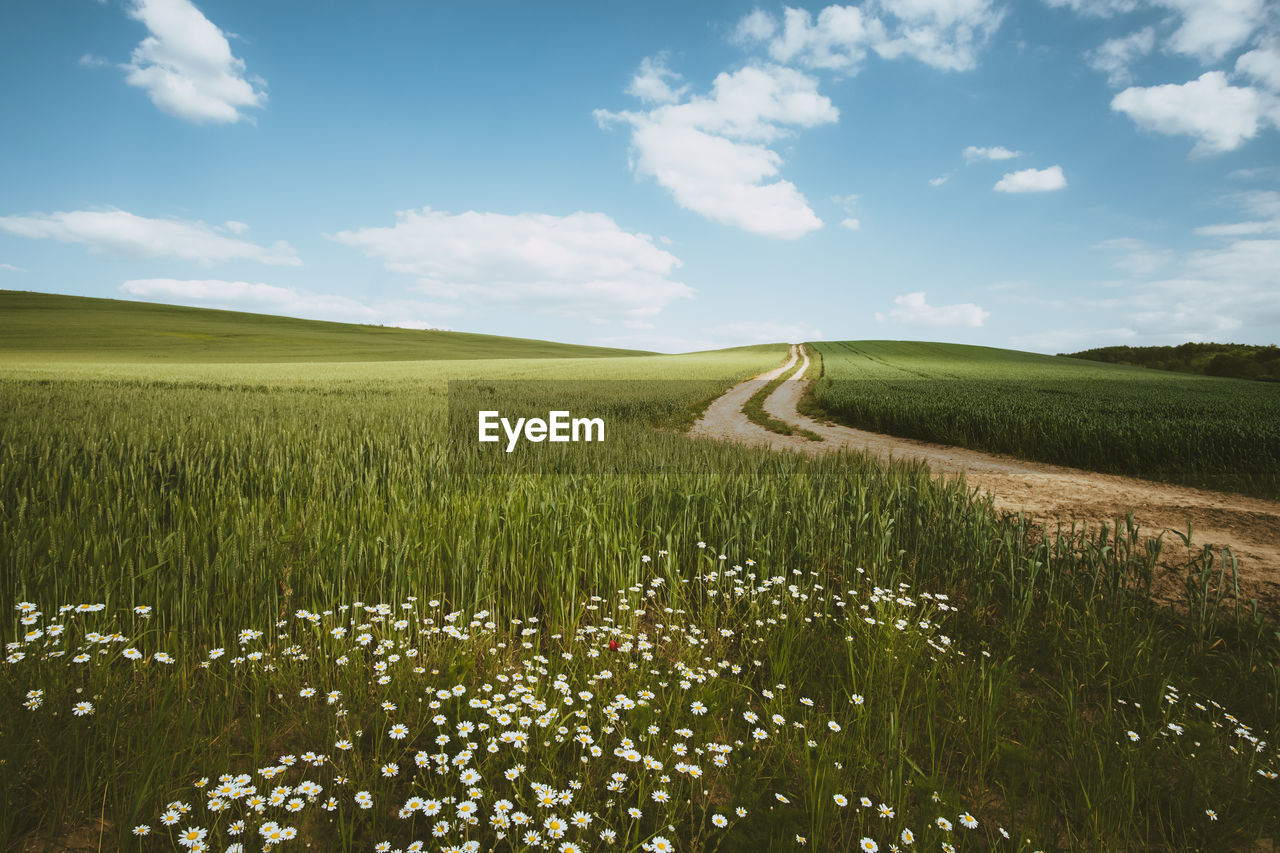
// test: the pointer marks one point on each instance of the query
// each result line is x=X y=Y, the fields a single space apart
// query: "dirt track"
x=1249 y=526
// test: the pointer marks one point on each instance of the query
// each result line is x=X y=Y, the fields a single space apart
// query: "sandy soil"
x=1250 y=527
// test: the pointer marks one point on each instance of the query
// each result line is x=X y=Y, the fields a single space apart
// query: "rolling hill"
x=53 y=327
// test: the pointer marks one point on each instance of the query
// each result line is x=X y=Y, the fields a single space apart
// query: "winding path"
x=1250 y=527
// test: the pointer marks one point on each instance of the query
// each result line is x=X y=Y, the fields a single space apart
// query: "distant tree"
x=1240 y=361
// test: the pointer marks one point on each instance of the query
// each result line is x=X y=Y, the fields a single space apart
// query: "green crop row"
x=1214 y=433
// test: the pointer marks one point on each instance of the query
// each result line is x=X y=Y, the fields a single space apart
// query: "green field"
x=1215 y=433
x=51 y=327
x=273 y=576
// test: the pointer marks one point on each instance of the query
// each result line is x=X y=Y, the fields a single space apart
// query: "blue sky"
x=1046 y=175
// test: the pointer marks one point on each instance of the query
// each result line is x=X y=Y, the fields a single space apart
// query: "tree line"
x=1240 y=361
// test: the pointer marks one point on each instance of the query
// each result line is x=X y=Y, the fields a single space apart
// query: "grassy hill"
x=52 y=327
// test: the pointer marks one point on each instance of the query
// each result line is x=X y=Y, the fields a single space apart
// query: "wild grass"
x=1000 y=667
x=1196 y=430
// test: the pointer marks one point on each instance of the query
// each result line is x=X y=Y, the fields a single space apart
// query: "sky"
x=1045 y=175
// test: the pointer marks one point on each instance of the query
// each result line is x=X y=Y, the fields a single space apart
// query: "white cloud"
x=973 y=154
x=1116 y=55
x=756 y=27
x=235 y=227
x=186 y=66
x=121 y=232
x=912 y=309
x=709 y=151
x=1220 y=116
x=11 y=268
x=851 y=223
x=1213 y=28
x=837 y=41
x=582 y=264
x=1032 y=181
x=1205 y=29
x=1262 y=64
x=288 y=301
x=755 y=103
x=712 y=151
x=653 y=82
x=1097 y=8
x=939 y=181
x=724 y=180
x=946 y=34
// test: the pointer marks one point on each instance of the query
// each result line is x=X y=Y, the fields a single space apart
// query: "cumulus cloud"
x=911 y=309
x=582 y=264
x=973 y=153
x=1032 y=181
x=757 y=26
x=1262 y=65
x=1211 y=29
x=123 y=233
x=946 y=34
x=1116 y=55
x=711 y=151
x=1205 y=29
x=838 y=40
x=1218 y=115
x=655 y=83
x=939 y=181
x=186 y=66
x=288 y=301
